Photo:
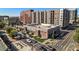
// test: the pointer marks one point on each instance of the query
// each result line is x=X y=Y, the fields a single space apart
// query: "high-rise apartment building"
x=36 y=17
x=73 y=15
x=50 y=17
x=64 y=17
x=56 y=17
x=25 y=17
x=60 y=17
x=46 y=17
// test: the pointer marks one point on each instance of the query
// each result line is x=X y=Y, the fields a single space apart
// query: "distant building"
x=64 y=18
x=73 y=15
x=14 y=21
x=44 y=30
x=5 y=19
x=25 y=17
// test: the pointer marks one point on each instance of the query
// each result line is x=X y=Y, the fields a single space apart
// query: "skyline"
x=16 y=11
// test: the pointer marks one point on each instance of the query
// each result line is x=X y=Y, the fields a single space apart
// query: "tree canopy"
x=2 y=24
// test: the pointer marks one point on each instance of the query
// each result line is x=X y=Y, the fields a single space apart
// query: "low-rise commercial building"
x=44 y=30
x=4 y=17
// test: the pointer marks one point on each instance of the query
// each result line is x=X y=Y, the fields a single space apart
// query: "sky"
x=16 y=11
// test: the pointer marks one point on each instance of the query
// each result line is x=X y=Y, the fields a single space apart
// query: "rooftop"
x=49 y=25
x=46 y=26
x=42 y=27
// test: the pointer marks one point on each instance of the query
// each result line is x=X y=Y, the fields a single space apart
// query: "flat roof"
x=48 y=26
x=42 y=27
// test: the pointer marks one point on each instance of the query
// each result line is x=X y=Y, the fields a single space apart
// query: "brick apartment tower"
x=56 y=17
x=25 y=17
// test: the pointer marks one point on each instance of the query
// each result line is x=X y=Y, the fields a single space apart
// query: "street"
x=62 y=44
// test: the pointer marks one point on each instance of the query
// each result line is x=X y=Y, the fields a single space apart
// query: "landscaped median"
x=38 y=39
x=10 y=31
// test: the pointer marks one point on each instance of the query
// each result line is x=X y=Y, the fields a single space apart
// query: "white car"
x=28 y=40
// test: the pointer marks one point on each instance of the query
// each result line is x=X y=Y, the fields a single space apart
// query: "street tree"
x=9 y=29
x=2 y=24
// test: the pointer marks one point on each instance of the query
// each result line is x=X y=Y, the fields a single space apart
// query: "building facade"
x=45 y=17
x=64 y=18
x=25 y=17
x=56 y=17
x=5 y=19
x=73 y=15
x=14 y=20
x=44 y=31
x=60 y=17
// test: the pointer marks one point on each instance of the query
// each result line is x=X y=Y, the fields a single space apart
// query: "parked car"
x=28 y=40
x=18 y=35
x=2 y=33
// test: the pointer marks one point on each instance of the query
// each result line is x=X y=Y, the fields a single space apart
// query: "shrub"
x=38 y=39
x=12 y=33
x=76 y=36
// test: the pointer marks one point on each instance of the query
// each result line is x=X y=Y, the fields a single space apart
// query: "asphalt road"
x=62 y=43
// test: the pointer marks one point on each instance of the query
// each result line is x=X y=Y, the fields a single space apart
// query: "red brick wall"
x=24 y=16
x=44 y=34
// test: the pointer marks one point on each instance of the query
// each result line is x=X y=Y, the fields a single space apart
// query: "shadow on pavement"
x=63 y=33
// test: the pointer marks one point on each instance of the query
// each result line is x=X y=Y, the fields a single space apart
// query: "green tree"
x=2 y=24
x=52 y=36
x=12 y=33
x=9 y=29
x=6 y=21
